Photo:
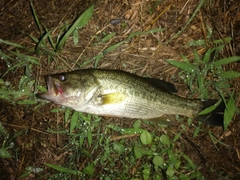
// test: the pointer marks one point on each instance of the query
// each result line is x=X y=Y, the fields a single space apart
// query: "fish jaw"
x=55 y=91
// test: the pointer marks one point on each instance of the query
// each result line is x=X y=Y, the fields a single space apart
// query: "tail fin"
x=214 y=118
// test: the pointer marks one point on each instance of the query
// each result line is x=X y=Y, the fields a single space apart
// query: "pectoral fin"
x=113 y=98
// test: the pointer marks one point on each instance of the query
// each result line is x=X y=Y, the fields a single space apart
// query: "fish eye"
x=62 y=78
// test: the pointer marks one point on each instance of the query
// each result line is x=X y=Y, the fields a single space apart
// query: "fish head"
x=69 y=89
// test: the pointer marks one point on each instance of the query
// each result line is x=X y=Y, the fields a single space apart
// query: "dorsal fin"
x=161 y=84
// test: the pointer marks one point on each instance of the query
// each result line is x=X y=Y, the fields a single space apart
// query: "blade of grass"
x=74 y=121
x=145 y=32
x=11 y=44
x=26 y=58
x=36 y=18
x=4 y=56
x=42 y=43
x=207 y=55
x=222 y=41
x=211 y=108
x=79 y=23
x=231 y=74
x=108 y=37
x=186 y=66
x=62 y=169
x=13 y=67
x=191 y=18
x=229 y=112
x=225 y=61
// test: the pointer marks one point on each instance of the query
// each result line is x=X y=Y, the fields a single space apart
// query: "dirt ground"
x=143 y=56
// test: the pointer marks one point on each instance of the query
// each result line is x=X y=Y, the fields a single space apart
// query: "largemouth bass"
x=116 y=93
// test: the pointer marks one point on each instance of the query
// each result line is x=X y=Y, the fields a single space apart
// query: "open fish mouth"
x=54 y=90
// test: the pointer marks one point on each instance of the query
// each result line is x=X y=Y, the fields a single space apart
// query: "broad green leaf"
x=118 y=147
x=186 y=66
x=146 y=137
x=158 y=161
x=89 y=170
x=140 y=151
x=79 y=23
x=137 y=124
x=177 y=164
x=146 y=173
x=137 y=152
x=74 y=121
x=231 y=74
x=62 y=169
x=225 y=61
x=4 y=153
x=170 y=171
x=184 y=177
x=164 y=139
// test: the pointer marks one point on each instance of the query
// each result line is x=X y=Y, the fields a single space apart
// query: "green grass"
x=152 y=155
x=195 y=73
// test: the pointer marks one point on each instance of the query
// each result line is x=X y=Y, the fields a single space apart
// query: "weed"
x=91 y=147
x=207 y=72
